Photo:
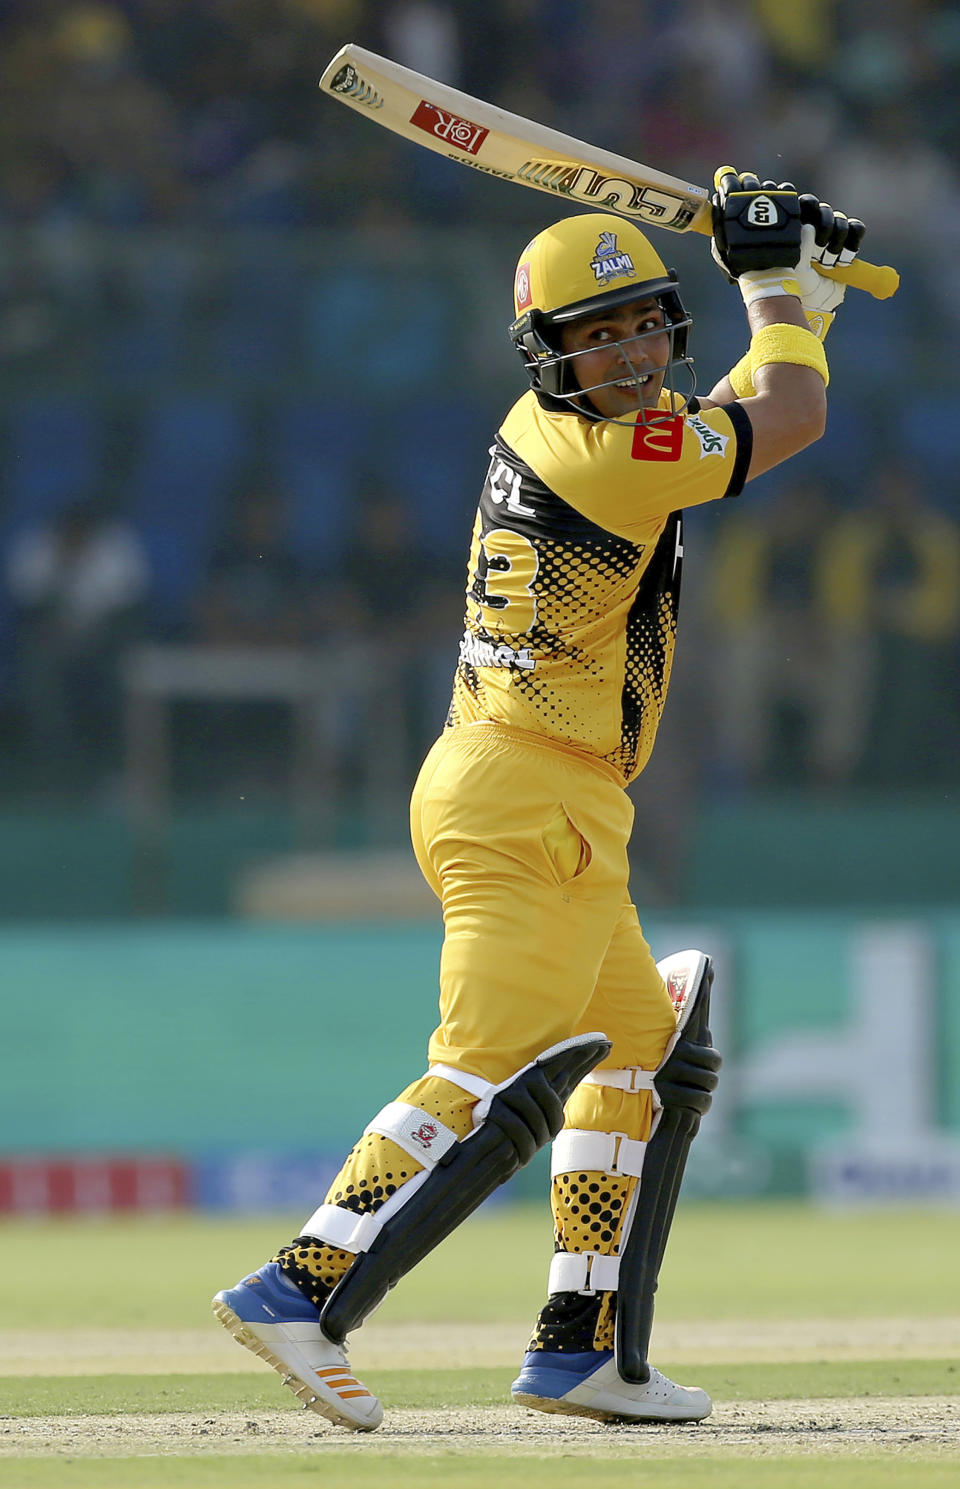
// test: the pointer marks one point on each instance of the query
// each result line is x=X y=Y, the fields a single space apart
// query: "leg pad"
x=522 y=1117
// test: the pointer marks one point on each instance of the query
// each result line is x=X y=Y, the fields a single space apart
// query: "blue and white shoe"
x=587 y=1385
x=268 y=1315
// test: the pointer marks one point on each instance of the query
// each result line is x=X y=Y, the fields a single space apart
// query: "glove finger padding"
x=754 y=227
x=818 y=215
x=845 y=242
x=837 y=236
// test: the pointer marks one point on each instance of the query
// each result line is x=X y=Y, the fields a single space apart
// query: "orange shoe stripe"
x=338 y=1380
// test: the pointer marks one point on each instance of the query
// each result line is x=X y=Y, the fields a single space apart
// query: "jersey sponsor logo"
x=477 y=653
x=711 y=442
x=448 y=127
x=609 y=263
x=522 y=288
x=660 y=441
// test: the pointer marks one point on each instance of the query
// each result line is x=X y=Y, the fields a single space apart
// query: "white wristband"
x=763 y=284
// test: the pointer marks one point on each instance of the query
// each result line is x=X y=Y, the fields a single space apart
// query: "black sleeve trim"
x=743 y=429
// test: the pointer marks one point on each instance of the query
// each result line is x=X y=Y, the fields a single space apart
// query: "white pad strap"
x=483 y=1106
x=576 y=1150
x=631 y=1079
x=337 y=1226
x=583 y=1272
x=474 y=1084
x=418 y=1133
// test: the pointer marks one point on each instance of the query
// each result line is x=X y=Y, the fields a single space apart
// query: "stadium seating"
x=54 y=448
x=191 y=453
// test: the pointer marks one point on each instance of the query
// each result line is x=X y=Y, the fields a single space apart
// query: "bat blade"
x=507 y=146
x=512 y=148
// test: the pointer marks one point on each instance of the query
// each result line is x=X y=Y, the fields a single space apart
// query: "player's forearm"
x=801 y=390
x=788 y=409
x=738 y=383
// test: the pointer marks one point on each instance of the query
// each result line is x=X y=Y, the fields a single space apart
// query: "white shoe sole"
x=605 y=1397
x=313 y=1394
x=566 y=1408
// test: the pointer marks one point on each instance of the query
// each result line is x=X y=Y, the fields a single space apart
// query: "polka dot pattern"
x=602 y=639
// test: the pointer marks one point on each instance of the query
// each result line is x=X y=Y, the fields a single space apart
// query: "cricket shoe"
x=588 y=1385
x=267 y=1314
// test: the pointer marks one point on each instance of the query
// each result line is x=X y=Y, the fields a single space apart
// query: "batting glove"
x=758 y=234
x=837 y=239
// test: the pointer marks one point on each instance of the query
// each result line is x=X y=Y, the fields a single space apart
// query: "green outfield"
x=829 y=1342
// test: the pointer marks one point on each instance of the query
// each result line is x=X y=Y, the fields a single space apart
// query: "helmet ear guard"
x=542 y=361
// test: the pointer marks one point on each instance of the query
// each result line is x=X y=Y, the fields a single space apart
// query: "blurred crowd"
x=142 y=142
x=205 y=111
x=821 y=642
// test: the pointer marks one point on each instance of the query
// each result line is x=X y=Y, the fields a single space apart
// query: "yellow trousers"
x=525 y=843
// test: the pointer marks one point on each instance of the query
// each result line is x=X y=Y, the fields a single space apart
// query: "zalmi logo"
x=609 y=263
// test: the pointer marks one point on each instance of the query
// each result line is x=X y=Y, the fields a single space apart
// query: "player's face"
x=626 y=349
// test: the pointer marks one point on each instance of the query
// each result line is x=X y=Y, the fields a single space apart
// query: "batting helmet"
x=580 y=266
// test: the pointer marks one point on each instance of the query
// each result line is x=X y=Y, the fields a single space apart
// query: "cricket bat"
x=512 y=148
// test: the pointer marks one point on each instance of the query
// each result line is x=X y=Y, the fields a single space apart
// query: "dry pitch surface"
x=832 y=1363
x=904 y=1425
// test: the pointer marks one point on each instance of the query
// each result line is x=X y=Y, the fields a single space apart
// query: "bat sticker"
x=349 y=81
x=448 y=127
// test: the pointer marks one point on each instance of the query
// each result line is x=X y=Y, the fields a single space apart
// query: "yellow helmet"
x=583 y=264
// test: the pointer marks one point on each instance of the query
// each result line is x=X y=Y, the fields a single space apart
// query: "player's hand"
x=756 y=227
x=836 y=240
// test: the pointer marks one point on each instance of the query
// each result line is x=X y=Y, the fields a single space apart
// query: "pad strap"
x=524 y=1115
x=631 y=1079
x=337 y=1226
x=583 y=1272
x=417 y=1132
x=465 y=1079
x=577 y=1150
x=483 y=1105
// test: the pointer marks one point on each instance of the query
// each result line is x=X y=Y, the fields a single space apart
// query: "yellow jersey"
x=573 y=580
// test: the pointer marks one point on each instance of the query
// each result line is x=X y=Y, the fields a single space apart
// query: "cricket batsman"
x=556 y=1025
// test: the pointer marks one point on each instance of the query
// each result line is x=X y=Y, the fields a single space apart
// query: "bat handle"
x=879 y=280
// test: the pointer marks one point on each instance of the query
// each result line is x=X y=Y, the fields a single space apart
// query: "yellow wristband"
x=740 y=378
x=785 y=343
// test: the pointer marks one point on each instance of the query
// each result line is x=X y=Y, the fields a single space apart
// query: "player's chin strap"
x=682 y=1087
x=511 y=1120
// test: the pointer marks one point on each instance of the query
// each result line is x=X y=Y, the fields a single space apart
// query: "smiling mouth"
x=629 y=383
